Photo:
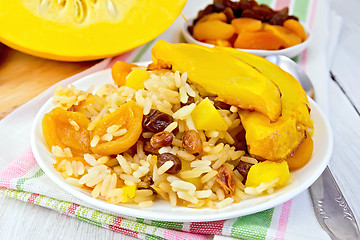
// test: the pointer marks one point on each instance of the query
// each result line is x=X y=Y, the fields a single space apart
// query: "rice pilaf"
x=208 y=177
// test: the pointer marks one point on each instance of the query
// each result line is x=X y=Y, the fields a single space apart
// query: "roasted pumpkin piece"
x=289 y=38
x=136 y=79
x=258 y=40
x=127 y=121
x=295 y=27
x=222 y=74
x=272 y=141
x=86 y=29
x=119 y=72
x=267 y=171
x=213 y=30
x=302 y=154
x=278 y=140
x=67 y=129
x=246 y=24
x=206 y=117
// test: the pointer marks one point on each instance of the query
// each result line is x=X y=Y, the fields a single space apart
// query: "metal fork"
x=330 y=207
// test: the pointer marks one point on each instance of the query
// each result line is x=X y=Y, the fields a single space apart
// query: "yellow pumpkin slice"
x=275 y=141
x=77 y=30
x=233 y=81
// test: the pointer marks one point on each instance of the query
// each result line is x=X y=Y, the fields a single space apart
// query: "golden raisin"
x=192 y=142
x=161 y=139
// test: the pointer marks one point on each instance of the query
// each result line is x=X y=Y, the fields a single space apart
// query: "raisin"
x=221 y=105
x=229 y=13
x=191 y=142
x=156 y=121
x=164 y=157
x=240 y=141
x=226 y=180
x=243 y=168
x=161 y=139
x=149 y=149
x=279 y=17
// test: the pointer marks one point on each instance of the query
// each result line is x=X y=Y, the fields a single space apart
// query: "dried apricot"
x=67 y=129
x=214 y=29
x=289 y=38
x=258 y=40
x=128 y=116
x=246 y=24
x=119 y=71
x=295 y=27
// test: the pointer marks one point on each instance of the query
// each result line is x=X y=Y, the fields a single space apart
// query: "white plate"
x=289 y=52
x=162 y=210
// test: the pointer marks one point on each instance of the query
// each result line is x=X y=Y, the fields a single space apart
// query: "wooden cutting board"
x=22 y=76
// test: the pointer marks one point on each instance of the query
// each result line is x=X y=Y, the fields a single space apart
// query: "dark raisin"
x=240 y=141
x=156 y=121
x=161 y=139
x=249 y=13
x=243 y=168
x=279 y=17
x=149 y=149
x=219 y=5
x=247 y=4
x=293 y=17
x=164 y=157
x=192 y=142
x=264 y=11
x=189 y=101
x=221 y=105
x=229 y=13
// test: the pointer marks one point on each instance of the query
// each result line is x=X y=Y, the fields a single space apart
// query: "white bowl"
x=289 y=52
x=161 y=209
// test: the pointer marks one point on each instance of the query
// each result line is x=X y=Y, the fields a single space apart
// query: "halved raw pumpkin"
x=77 y=30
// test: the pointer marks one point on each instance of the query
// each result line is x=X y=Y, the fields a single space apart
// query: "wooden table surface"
x=20 y=220
x=23 y=76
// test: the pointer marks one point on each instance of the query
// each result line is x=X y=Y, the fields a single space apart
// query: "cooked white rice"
x=133 y=176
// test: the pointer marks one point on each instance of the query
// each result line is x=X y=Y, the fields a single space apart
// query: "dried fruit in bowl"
x=254 y=26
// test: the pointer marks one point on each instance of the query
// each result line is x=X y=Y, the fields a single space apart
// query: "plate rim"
x=195 y=216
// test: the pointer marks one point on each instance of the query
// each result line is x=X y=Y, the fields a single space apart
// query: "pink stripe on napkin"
x=33 y=197
x=72 y=208
x=124 y=231
x=283 y=221
x=17 y=169
x=215 y=227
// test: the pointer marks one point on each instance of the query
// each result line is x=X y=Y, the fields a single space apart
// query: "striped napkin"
x=23 y=179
